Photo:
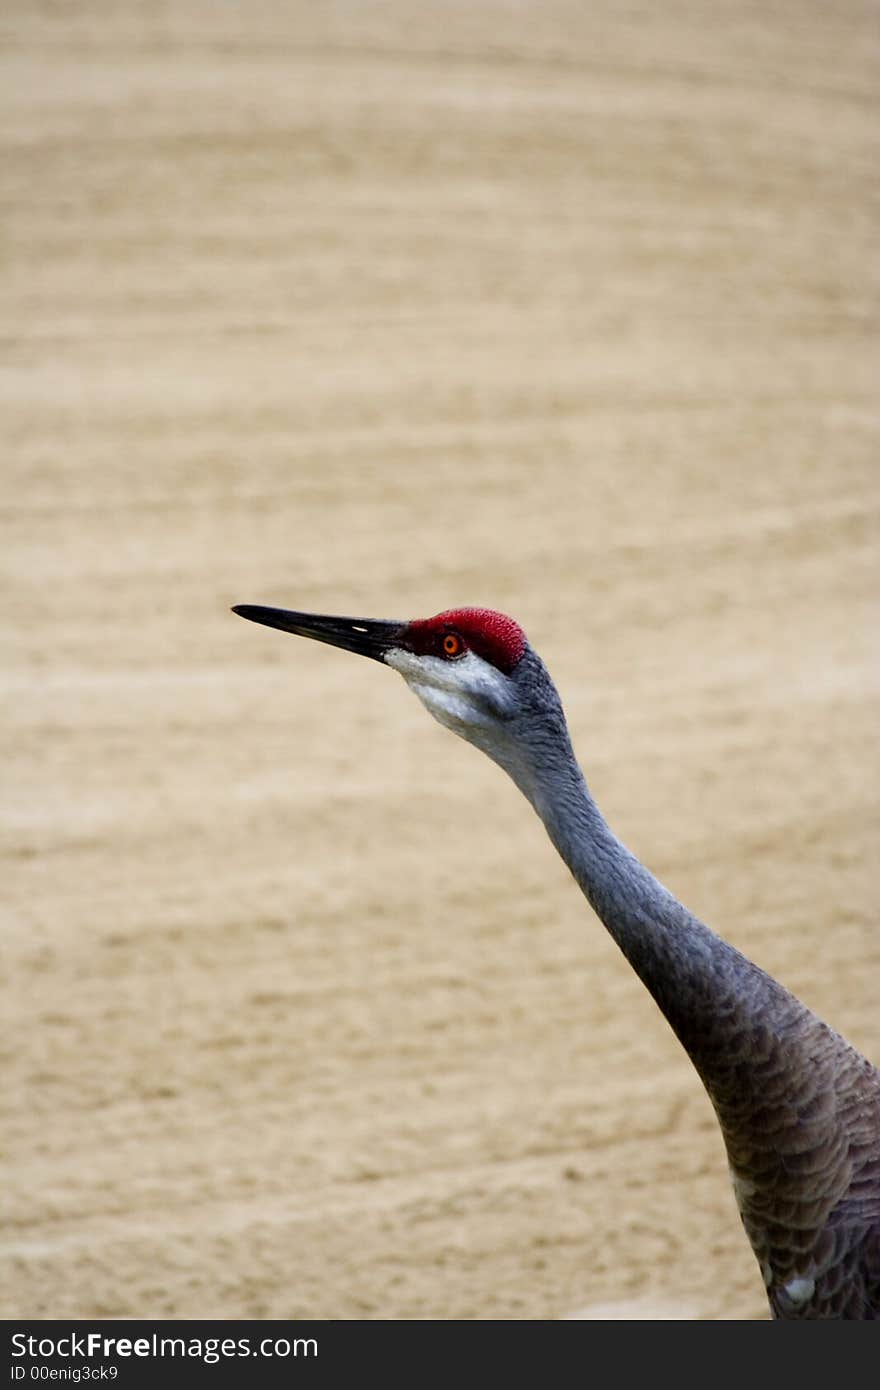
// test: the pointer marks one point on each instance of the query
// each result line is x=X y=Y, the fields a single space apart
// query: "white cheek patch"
x=408 y=665
x=446 y=706
x=422 y=673
x=471 y=699
x=456 y=693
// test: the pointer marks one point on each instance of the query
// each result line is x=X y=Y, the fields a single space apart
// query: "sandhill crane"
x=798 y=1107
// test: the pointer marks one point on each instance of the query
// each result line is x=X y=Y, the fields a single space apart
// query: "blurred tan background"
x=367 y=308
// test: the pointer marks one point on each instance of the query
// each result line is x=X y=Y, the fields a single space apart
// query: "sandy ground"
x=561 y=309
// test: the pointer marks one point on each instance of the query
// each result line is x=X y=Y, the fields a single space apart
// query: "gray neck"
x=797 y=1107
x=711 y=994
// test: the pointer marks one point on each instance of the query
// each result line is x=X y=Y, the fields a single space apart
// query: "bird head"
x=473 y=670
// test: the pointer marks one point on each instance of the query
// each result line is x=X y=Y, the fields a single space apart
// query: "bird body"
x=798 y=1107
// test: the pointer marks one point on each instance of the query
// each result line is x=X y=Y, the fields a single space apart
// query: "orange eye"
x=452 y=644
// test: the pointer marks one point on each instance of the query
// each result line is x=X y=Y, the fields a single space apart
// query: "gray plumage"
x=798 y=1107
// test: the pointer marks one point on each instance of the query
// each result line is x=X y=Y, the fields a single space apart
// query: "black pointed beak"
x=366 y=636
